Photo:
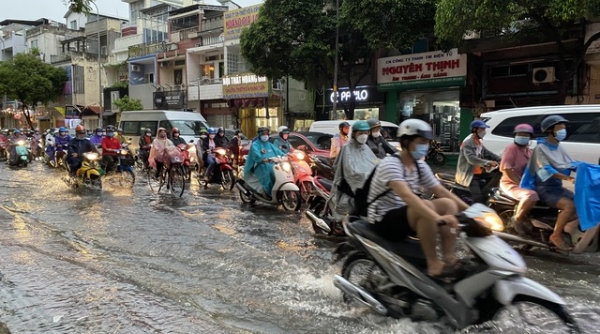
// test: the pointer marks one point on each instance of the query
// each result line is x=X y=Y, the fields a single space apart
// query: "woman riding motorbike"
x=282 y=141
x=376 y=142
x=110 y=148
x=176 y=137
x=145 y=146
x=209 y=144
x=258 y=161
x=96 y=139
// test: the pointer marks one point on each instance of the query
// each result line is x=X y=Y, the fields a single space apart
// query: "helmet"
x=478 y=124
x=212 y=131
x=80 y=129
x=222 y=129
x=551 y=121
x=283 y=129
x=99 y=130
x=415 y=127
x=62 y=129
x=373 y=123
x=237 y=132
x=524 y=128
x=361 y=126
x=174 y=130
x=110 y=128
x=17 y=131
x=262 y=129
x=51 y=130
x=343 y=125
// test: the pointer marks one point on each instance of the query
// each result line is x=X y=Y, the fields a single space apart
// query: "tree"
x=31 y=81
x=554 y=19
x=126 y=104
x=79 y=6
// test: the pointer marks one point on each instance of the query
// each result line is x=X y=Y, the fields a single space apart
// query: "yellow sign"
x=237 y=20
x=245 y=85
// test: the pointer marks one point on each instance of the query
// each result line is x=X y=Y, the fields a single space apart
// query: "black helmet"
x=221 y=129
x=99 y=130
x=262 y=129
x=551 y=121
x=110 y=128
x=373 y=123
x=237 y=132
x=343 y=125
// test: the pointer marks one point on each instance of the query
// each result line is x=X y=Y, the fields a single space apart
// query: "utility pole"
x=335 y=66
x=99 y=65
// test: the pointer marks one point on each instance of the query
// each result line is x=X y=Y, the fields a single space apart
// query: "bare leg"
x=444 y=206
x=523 y=209
x=567 y=208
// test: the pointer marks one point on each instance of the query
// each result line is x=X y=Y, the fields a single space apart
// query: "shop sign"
x=245 y=85
x=169 y=100
x=365 y=95
x=422 y=70
x=237 y=20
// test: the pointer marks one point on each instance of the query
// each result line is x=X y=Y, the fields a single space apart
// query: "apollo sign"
x=344 y=96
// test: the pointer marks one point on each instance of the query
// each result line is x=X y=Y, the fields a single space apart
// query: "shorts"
x=551 y=195
x=394 y=225
x=518 y=193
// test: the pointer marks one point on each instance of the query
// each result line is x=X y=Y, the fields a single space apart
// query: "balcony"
x=210 y=89
x=103 y=25
x=184 y=34
x=63 y=57
x=141 y=50
x=123 y=43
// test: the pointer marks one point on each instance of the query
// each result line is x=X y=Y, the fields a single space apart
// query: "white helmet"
x=415 y=127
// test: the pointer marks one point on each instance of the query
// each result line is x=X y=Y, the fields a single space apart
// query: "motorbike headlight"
x=491 y=221
x=220 y=151
x=124 y=152
x=92 y=156
x=300 y=156
x=21 y=142
x=192 y=149
x=286 y=166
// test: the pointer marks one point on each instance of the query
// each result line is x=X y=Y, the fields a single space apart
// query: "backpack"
x=361 y=205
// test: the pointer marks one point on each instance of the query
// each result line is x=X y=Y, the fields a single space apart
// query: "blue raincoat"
x=279 y=142
x=263 y=171
x=587 y=195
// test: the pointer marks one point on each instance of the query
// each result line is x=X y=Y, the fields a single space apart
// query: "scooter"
x=396 y=283
x=90 y=172
x=540 y=225
x=464 y=193
x=319 y=210
x=284 y=192
x=435 y=154
x=124 y=168
x=222 y=173
x=302 y=174
x=22 y=154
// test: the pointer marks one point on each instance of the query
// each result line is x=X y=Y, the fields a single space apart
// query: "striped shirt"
x=392 y=169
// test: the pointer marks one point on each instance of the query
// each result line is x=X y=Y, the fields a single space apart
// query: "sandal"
x=448 y=275
x=560 y=244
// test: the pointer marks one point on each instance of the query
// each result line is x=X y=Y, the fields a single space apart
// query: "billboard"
x=245 y=85
x=236 y=20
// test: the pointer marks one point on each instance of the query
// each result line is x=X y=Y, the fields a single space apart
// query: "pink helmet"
x=524 y=128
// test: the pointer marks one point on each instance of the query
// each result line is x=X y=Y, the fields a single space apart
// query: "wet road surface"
x=130 y=261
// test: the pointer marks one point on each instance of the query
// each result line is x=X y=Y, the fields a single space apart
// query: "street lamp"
x=335 y=66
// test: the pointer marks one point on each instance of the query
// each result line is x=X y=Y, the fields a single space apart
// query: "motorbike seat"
x=451 y=181
x=506 y=197
x=408 y=248
x=326 y=183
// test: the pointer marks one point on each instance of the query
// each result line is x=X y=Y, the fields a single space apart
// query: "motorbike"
x=319 y=210
x=22 y=154
x=90 y=172
x=396 y=283
x=60 y=155
x=449 y=181
x=190 y=159
x=302 y=174
x=321 y=166
x=3 y=149
x=222 y=174
x=284 y=192
x=435 y=154
x=124 y=168
x=35 y=144
x=540 y=225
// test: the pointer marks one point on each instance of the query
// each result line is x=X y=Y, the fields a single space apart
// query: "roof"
x=69 y=12
x=548 y=109
x=35 y=23
x=204 y=7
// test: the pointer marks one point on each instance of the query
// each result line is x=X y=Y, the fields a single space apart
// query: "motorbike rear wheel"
x=290 y=200
x=306 y=189
x=370 y=270
x=227 y=179
x=439 y=158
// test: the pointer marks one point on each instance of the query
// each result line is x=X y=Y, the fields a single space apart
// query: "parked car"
x=316 y=143
x=389 y=129
x=582 y=142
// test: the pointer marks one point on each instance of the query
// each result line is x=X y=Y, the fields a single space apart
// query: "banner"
x=422 y=70
x=236 y=20
x=245 y=85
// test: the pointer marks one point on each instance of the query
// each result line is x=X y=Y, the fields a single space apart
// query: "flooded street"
x=130 y=261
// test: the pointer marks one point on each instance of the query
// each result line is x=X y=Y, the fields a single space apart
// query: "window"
x=507 y=126
x=186 y=128
x=178 y=75
x=297 y=141
x=130 y=128
x=148 y=125
x=582 y=130
x=34 y=44
x=73 y=25
x=322 y=142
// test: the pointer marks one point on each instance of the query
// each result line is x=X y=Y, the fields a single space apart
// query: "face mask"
x=522 y=140
x=420 y=151
x=560 y=135
x=211 y=136
x=162 y=135
x=63 y=134
x=375 y=134
x=98 y=133
x=149 y=134
x=176 y=135
x=362 y=139
x=481 y=134
x=264 y=138
x=110 y=134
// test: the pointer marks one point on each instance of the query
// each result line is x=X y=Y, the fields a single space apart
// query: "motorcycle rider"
x=176 y=137
x=282 y=141
x=160 y=146
x=145 y=145
x=209 y=144
x=77 y=147
x=398 y=212
x=548 y=167
x=472 y=159
x=376 y=141
x=352 y=167
x=514 y=160
x=234 y=146
x=339 y=140
x=61 y=141
x=120 y=136
x=221 y=139
x=258 y=161
x=111 y=146
x=96 y=139
x=12 y=144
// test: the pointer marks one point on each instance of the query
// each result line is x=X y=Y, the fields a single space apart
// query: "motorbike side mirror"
x=303 y=148
x=191 y=141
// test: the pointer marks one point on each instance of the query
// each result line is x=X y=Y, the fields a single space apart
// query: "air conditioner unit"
x=276 y=85
x=135 y=68
x=543 y=75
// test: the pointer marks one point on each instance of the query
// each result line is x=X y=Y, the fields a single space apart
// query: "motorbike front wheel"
x=290 y=200
x=247 y=199
x=227 y=179
x=439 y=159
x=306 y=189
x=127 y=179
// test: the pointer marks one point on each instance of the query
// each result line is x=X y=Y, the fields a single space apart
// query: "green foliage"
x=79 y=6
x=31 y=81
x=120 y=84
x=126 y=104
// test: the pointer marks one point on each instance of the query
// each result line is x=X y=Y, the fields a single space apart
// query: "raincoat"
x=158 y=149
x=96 y=140
x=587 y=195
x=547 y=159
x=258 y=174
x=280 y=142
x=354 y=164
x=62 y=143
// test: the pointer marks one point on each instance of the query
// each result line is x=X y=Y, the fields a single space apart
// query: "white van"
x=332 y=127
x=133 y=123
x=582 y=142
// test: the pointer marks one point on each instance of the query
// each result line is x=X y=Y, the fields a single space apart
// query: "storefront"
x=426 y=86
x=248 y=95
x=369 y=103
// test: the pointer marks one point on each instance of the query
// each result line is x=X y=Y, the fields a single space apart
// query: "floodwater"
x=130 y=261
